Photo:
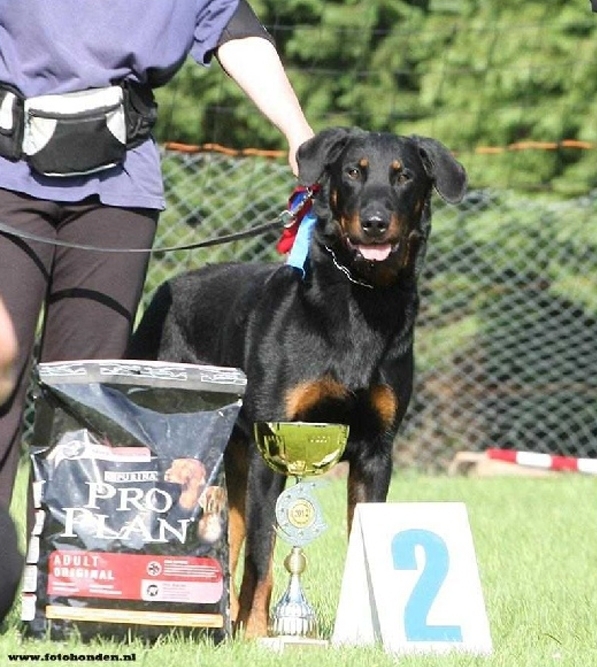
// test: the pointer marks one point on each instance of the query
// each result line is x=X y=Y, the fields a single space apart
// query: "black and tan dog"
x=332 y=345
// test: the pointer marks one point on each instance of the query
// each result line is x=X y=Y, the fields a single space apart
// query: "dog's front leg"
x=263 y=490
x=369 y=479
x=237 y=473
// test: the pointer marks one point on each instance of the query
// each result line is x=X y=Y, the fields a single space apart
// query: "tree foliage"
x=472 y=73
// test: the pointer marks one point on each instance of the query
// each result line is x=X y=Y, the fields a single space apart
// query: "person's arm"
x=254 y=64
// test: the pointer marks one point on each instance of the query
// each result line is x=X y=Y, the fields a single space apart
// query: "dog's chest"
x=333 y=362
x=325 y=399
x=347 y=380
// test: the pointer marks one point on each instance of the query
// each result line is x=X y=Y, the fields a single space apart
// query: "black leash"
x=285 y=218
x=225 y=238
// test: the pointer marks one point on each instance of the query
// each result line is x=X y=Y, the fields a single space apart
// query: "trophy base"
x=290 y=642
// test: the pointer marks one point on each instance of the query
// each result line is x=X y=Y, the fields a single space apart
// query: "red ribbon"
x=299 y=197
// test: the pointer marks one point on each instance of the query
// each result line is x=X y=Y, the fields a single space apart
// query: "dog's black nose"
x=374 y=226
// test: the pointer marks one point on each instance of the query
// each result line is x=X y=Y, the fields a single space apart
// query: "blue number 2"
x=437 y=563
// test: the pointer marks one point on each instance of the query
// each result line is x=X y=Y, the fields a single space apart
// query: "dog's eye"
x=401 y=177
x=354 y=173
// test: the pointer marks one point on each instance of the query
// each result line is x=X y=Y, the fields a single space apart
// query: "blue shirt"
x=59 y=46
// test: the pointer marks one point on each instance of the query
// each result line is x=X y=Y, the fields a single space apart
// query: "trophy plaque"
x=300 y=450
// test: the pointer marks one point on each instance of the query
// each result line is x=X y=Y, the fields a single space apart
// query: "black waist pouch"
x=11 y=122
x=141 y=112
x=77 y=133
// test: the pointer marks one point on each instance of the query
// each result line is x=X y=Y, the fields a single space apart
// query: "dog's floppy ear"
x=321 y=150
x=448 y=175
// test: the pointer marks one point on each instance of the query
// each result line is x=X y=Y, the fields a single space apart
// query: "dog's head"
x=187 y=472
x=373 y=207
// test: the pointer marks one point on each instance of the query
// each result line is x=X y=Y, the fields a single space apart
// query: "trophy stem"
x=293 y=615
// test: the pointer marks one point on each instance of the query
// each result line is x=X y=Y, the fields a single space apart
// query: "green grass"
x=537 y=553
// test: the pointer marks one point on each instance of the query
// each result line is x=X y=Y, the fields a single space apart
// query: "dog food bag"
x=130 y=535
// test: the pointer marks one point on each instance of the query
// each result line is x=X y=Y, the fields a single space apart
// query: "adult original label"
x=135 y=577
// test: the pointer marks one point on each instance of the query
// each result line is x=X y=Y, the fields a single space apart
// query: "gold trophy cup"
x=298 y=449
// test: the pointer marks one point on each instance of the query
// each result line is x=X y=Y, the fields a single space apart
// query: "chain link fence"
x=506 y=339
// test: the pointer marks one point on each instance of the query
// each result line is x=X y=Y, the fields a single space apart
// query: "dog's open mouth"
x=374 y=252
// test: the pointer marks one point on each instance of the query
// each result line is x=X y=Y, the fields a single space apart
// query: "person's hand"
x=294 y=142
x=8 y=353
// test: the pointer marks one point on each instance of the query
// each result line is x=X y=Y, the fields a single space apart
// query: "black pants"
x=88 y=298
x=11 y=563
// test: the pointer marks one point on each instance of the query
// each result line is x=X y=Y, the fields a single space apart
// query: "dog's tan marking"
x=255 y=599
x=334 y=199
x=395 y=224
x=363 y=163
x=256 y=625
x=396 y=165
x=236 y=537
x=414 y=240
x=306 y=395
x=235 y=459
x=385 y=404
x=355 y=494
x=351 y=225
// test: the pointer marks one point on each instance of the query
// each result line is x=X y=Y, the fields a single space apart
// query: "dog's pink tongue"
x=375 y=253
